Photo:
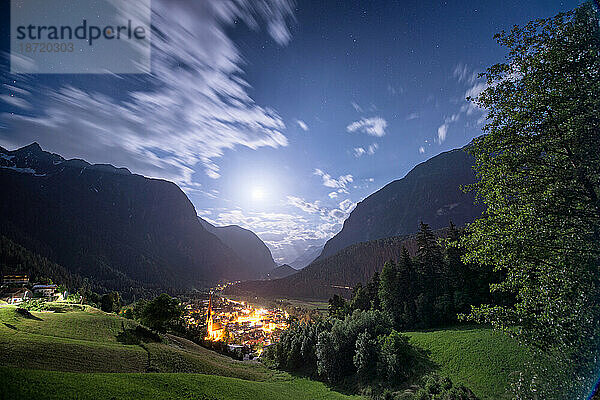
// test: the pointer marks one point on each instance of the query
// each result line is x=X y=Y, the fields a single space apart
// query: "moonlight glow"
x=258 y=194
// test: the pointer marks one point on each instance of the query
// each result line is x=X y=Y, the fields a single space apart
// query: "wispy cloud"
x=196 y=106
x=361 y=151
x=356 y=107
x=374 y=126
x=464 y=75
x=412 y=116
x=442 y=132
x=288 y=234
x=339 y=183
x=302 y=125
x=304 y=205
x=468 y=77
x=421 y=150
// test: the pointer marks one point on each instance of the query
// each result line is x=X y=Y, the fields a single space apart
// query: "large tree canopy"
x=539 y=169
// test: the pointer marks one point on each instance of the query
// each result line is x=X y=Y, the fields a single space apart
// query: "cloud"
x=333 y=195
x=330 y=182
x=360 y=151
x=347 y=205
x=422 y=149
x=473 y=92
x=442 y=132
x=356 y=107
x=15 y=101
x=288 y=234
x=393 y=90
x=463 y=74
x=374 y=126
x=412 y=116
x=304 y=205
x=474 y=87
x=193 y=108
x=302 y=125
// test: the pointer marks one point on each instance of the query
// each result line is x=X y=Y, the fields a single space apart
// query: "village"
x=17 y=289
x=244 y=328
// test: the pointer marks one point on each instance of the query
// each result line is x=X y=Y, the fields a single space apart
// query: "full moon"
x=258 y=194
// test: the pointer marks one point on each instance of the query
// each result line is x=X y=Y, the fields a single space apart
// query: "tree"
x=110 y=302
x=326 y=357
x=429 y=254
x=373 y=292
x=399 y=360
x=337 y=306
x=138 y=308
x=162 y=313
x=365 y=356
x=538 y=166
x=389 y=295
x=361 y=299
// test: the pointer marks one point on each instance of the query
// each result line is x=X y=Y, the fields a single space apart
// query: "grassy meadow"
x=76 y=354
x=479 y=358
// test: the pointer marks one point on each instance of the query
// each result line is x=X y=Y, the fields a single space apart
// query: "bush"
x=436 y=387
x=111 y=302
x=161 y=313
x=399 y=360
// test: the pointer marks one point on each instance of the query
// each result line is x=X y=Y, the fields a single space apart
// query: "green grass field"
x=481 y=359
x=76 y=355
x=38 y=384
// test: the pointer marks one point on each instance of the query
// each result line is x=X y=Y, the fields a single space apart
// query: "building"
x=16 y=295
x=214 y=330
x=44 y=290
x=15 y=279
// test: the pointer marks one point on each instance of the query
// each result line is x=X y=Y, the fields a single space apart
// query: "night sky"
x=274 y=115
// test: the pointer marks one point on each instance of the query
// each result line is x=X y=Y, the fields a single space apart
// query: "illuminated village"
x=238 y=323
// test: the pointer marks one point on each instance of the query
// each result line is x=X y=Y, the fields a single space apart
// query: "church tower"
x=209 y=318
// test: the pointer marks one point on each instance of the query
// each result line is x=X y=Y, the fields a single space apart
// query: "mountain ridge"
x=247 y=245
x=105 y=223
x=430 y=192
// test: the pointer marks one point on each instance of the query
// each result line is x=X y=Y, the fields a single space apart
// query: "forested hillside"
x=116 y=228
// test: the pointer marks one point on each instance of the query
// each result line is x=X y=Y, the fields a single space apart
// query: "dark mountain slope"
x=281 y=272
x=380 y=225
x=430 y=192
x=107 y=224
x=331 y=275
x=257 y=257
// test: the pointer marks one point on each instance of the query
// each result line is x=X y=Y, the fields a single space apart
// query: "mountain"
x=116 y=228
x=248 y=247
x=307 y=257
x=379 y=226
x=336 y=274
x=281 y=272
x=430 y=192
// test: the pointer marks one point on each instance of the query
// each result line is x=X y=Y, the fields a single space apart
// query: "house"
x=44 y=290
x=15 y=279
x=16 y=295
